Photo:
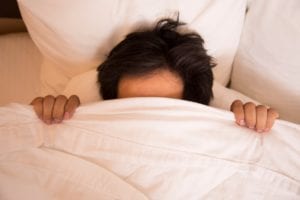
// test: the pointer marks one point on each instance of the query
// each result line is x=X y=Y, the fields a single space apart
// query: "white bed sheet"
x=143 y=148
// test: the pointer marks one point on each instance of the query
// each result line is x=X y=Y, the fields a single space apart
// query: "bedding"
x=146 y=148
x=75 y=36
x=266 y=66
x=21 y=60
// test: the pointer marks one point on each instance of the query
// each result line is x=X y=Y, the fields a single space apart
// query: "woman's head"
x=158 y=62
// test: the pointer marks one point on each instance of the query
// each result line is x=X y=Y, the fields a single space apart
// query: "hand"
x=54 y=110
x=259 y=118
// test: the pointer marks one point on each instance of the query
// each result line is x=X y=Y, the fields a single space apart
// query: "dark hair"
x=142 y=52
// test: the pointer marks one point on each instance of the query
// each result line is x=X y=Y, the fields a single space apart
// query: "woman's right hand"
x=52 y=109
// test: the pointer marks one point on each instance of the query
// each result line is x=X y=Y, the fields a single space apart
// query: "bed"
x=148 y=148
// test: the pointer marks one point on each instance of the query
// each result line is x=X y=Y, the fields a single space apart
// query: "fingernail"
x=242 y=122
x=57 y=121
x=259 y=131
x=48 y=121
x=266 y=129
x=251 y=127
x=67 y=115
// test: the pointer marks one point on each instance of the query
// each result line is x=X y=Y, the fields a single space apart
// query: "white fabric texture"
x=152 y=148
x=74 y=36
x=85 y=86
x=224 y=97
x=20 y=62
x=267 y=64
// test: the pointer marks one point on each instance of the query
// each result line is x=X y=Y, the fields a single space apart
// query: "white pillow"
x=267 y=65
x=74 y=36
x=85 y=86
x=223 y=97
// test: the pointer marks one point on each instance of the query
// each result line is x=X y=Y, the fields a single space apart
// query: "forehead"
x=159 y=83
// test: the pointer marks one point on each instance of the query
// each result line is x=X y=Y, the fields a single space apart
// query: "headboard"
x=9 y=9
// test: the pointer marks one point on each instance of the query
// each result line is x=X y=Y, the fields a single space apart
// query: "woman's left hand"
x=256 y=117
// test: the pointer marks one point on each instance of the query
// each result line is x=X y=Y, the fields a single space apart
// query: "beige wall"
x=10 y=25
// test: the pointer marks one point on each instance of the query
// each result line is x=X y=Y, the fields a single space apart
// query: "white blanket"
x=145 y=148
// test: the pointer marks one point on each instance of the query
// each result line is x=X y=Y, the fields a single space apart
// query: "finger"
x=238 y=110
x=271 y=117
x=37 y=104
x=72 y=104
x=250 y=114
x=48 y=104
x=59 y=108
x=261 y=118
